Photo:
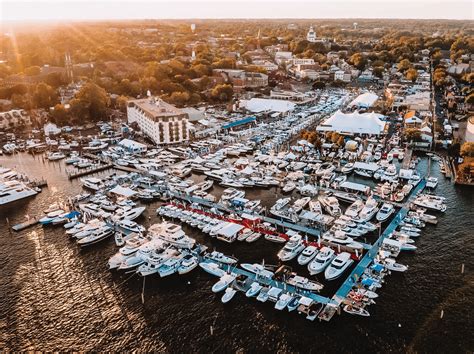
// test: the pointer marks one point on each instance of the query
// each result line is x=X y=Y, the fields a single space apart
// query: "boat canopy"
x=230 y=230
x=305 y=301
x=358 y=187
x=371 y=166
x=125 y=192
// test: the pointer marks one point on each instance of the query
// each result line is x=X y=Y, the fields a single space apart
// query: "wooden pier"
x=26 y=224
x=88 y=171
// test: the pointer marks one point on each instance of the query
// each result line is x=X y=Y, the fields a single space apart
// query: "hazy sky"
x=174 y=9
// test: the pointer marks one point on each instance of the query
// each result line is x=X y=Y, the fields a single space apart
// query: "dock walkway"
x=369 y=257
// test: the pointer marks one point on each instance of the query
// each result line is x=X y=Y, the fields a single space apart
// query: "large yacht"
x=172 y=234
x=292 y=248
x=14 y=190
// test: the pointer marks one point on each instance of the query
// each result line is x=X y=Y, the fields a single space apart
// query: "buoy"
x=399 y=325
x=462 y=268
x=442 y=314
x=212 y=330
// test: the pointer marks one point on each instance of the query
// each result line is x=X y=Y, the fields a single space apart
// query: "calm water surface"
x=54 y=296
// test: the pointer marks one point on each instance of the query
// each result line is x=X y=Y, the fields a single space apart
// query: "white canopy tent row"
x=353 y=123
x=365 y=100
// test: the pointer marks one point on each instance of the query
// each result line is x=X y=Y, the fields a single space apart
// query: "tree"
x=467 y=149
x=222 y=93
x=179 y=98
x=412 y=74
x=358 y=60
x=44 y=96
x=95 y=99
x=121 y=103
x=470 y=99
x=32 y=71
x=404 y=65
x=378 y=71
x=59 y=115
x=412 y=134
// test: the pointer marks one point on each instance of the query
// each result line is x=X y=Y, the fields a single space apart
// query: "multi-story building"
x=14 y=118
x=161 y=122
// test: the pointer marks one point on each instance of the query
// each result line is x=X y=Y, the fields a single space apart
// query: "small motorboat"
x=307 y=255
x=263 y=295
x=253 y=237
x=212 y=268
x=283 y=301
x=385 y=211
x=390 y=264
x=254 y=289
x=353 y=310
x=293 y=303
x=220 y=257
x=321 y=261
x=188 y=263
x=223 y=282
x=119 y=241
x=338 y=266
x=228 y=295
x=275 y=238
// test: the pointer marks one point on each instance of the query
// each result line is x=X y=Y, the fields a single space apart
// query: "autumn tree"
x=222 y=93
x=467 y=149
x=412 y=74
x=44 y=96
x=59 y=115
x=404 y=65
x=93 y=100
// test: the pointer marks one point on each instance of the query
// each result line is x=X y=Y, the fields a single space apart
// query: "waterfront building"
x=161 y=122
x=311 y=35
x=13 y=118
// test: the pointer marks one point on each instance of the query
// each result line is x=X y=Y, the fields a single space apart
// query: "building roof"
x=156 y=107
x=239 y=122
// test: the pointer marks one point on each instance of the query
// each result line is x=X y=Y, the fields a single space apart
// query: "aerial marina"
x=331 y=225
x=213 y=177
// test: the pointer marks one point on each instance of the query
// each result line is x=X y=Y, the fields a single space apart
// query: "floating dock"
x=26 y=224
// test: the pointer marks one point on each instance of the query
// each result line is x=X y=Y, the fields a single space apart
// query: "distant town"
x=212 y=73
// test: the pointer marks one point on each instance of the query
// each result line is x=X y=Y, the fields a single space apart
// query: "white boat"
x=431 y=203
x=223 y=282
x=97 y=236
x=307 y=255
x=253 y=237
x=228 y=295
x=330 y=204
x=321 y=261
x=385 y=211
x=263 y=295
x=289 y=187
x=170 y=266
x=259 y=270
x=131 y=226
x=283 y=301
x=369 y=210
x=354 y=209
x=304 y=283
x=431 y=182
x=119 y=241
x=220 y=257
x=275 y=238
x=315 y=207
x=292 y=248
x=254 y=289
x=299 y=204
x=339 y=237
x=353 y=310
x=92 y=183
x=212 y=268
x=347 y=168
x=172 y=234
x=51 y=216
x=279 y=205
x=338 y=266
x=11 y=191
x=54 y=156
x=129 y=214
x=390 y=264
x=293 y=303
x=189 y=262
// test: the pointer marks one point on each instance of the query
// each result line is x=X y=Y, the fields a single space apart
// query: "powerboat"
x=254 y=289
x=92 y=183
x=321 y=261
x=223 y=282
x=289 y=187
x=307 y=255
x=259 y=270
x=130 y=226
x=129 y=213
x=354 y=310
x=220 y=257
x=212 y=268
x=189 y=262
x=172 y=234
x=228 y=295
x=331 y=205
x=170 y=266
x=54 y=156
x=292 y=248
x=369 y=210
x=263 y=295
x=431 y=182
x=339 y=237
x=354 y=209
x=14 y=190
x=304 y=283
x=385 y=211
x=97 y=236
x=283 y=301
x=338 y=265
x=347 y=168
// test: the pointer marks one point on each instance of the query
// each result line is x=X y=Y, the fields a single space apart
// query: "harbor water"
x=54 y=296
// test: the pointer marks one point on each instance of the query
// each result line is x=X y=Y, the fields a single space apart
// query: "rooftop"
x=156 y=107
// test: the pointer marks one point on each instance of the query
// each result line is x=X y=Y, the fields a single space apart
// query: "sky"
x=27 y=10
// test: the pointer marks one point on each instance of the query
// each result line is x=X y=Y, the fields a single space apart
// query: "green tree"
x=412 y=134
x=95 y=99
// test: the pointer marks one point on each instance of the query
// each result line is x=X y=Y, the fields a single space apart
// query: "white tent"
x=125 y=192
x=365 y=100
x=261 y=105
x=353 y=123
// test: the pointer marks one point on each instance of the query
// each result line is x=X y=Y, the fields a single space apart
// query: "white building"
x=341 y=75
x=283 y=57
x=13 y=118
x=302 y=61
x=161 y=122
x=311 y=36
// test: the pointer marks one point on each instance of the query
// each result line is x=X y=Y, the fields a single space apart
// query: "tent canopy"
x=365 y=100
x=354 y=123
x=125 y=192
